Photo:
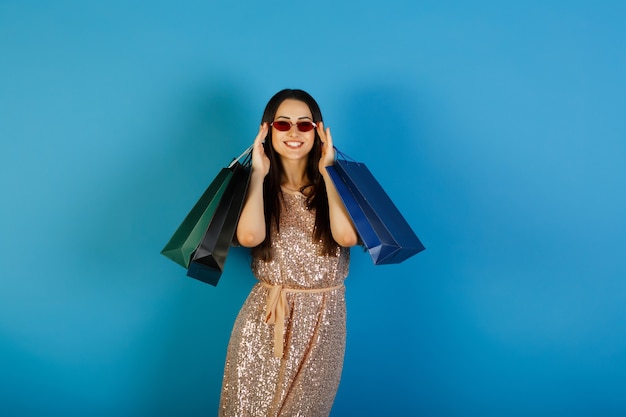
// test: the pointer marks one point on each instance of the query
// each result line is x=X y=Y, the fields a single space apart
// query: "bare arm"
x=341 y=226
x=251 y=226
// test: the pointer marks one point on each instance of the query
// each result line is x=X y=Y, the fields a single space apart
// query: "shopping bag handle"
x=245 y=154
x=343 y=156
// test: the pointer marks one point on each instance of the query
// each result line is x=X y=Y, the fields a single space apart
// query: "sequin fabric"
x=304 y=381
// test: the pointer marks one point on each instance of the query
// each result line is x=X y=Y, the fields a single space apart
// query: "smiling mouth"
x=293 y=145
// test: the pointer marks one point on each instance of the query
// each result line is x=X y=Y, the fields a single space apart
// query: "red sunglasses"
x=285 y=126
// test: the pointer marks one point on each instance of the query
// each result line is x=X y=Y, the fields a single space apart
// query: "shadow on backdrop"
x=384 y=129
x=177 y=359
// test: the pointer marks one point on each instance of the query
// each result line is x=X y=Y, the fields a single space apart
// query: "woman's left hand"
x=328 y=151
x=341 y=226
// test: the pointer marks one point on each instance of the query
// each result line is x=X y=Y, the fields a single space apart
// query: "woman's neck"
x=294 y=176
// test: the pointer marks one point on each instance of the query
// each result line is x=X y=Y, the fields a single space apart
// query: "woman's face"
x=293 y=144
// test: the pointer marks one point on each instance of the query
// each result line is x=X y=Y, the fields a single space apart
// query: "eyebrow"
x=299 y=118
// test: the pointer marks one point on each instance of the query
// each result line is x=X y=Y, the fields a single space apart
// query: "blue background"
x=497 y=128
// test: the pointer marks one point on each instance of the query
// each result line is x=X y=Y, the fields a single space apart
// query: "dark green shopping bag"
x=187 y=237
x=207 y=263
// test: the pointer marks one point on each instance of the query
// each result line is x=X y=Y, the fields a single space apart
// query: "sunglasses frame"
x=297 y=124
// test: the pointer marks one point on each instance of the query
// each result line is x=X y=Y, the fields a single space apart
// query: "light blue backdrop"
x=497 y=128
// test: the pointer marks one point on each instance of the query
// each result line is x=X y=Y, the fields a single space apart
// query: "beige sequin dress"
x=287 y=345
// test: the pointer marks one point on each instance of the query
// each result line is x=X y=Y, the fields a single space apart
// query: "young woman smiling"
x=286 y=350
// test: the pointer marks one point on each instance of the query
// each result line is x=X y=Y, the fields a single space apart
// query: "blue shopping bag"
x=380 y=225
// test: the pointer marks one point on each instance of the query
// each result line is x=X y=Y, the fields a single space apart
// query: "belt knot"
x=277 y=310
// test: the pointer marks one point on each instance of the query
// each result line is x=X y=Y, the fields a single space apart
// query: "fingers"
x=324 y=133
x=260 y=162
x=325 y=136
x=260 y=137
x=329 y=138
x=321 y=132
x=328 y=151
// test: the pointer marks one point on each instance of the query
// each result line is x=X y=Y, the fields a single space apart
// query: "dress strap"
x=277 y=309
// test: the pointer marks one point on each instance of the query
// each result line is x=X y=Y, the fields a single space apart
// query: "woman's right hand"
x=251 y=225
x=260 y=161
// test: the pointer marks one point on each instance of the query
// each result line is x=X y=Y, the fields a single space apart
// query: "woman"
x=286 y=349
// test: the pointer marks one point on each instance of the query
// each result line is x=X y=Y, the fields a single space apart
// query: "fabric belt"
x=277 y=309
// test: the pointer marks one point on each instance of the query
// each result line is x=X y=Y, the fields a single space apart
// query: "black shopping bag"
x=207 y=263
x=382 y=228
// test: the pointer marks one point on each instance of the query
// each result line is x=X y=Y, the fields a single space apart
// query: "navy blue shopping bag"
x=380 y=225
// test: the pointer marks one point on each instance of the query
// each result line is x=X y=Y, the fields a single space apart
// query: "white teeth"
x=294 y=144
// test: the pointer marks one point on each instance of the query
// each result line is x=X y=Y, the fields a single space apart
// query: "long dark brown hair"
x=317 y=198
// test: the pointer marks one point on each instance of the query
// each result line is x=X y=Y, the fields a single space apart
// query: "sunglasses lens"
x=305 y=126
x=282 y=126
x=285 y=126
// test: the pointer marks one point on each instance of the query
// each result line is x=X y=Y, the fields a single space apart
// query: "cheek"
x=275 y=140
x=310 y=136
x=311 y=142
